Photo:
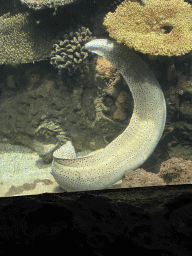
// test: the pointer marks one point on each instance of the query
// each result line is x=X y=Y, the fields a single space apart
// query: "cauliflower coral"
x=159 y=27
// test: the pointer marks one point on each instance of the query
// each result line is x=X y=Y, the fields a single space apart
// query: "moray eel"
x=130 y=149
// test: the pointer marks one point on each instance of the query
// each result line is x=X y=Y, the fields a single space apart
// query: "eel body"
x=131 y=148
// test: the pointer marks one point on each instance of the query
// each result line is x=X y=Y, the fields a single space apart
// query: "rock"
x=48 y=137
x=173 y=171
x=141 y=178
x=176 y=171
x=154 y=220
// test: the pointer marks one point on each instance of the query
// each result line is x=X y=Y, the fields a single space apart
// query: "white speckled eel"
x=130 y=149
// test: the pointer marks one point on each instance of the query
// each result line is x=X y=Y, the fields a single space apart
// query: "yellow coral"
x=159 y=27
x=41 y=4
x=23 y=40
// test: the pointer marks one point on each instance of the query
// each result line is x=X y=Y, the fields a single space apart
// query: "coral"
x=120 y=113
x=40 y=4
x=105 y=67
x=176 y=171
x=69 y=52
x=141 y=178
x=23 y=39
x=159 y=27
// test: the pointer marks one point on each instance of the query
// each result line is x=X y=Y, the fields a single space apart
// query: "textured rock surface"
x=179 y=89
x=174 y=171
x=82 y=106
x=154 y=220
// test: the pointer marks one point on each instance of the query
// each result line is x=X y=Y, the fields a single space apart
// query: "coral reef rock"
x=159 y=27
x=23 y=39
x=141 y=178
x=48 y=136
x=176 y=171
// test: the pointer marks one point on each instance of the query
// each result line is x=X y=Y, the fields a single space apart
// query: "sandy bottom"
x=22 y=172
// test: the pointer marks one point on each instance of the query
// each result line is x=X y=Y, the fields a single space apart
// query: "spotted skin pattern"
x=131 y=148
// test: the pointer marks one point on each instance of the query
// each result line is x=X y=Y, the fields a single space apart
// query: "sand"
x=22 y=172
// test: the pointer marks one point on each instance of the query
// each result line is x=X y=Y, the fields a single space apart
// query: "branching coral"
x=69 y=52
x=159 y=27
